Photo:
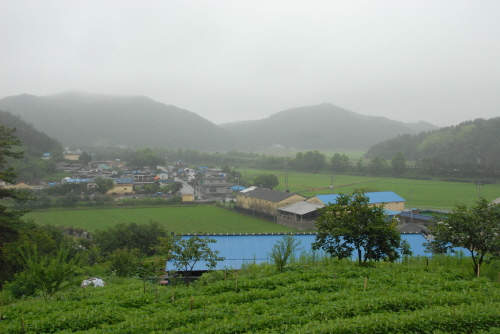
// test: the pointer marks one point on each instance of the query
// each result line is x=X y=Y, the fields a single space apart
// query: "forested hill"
x=34 y=142
x=468 y=142
x=81 y=120
x=322 y=126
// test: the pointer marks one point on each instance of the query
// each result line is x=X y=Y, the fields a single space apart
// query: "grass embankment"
x=438 y=195
x=326 y=297
x=180 y=219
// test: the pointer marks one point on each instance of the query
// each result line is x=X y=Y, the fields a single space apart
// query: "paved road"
x=186 y=188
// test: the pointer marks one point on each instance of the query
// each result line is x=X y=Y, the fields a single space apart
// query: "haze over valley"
x=80 y=119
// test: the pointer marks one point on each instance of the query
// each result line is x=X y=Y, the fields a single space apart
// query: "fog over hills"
x=79 y=119
x=323 y=126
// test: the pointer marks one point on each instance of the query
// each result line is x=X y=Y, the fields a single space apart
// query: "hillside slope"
x=475 y=141
x=34 y=142
x=322 y=126
x=81 y=120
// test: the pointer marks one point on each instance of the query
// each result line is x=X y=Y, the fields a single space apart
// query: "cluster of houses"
x=209 y=183
x=282 y=207
x=300 y=212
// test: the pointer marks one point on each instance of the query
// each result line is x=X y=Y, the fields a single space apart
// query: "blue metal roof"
x=76 y=180
x=124 y=180
x=373 y=197
x=247 y=249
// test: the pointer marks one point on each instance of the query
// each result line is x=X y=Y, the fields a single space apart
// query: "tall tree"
x=104 y=185
x=352 y=224
x=339 y=162
x=476 y=229
x=266 y=181
x=398 y=164
x=85 y=158
x=10 y=220
x=378 y=165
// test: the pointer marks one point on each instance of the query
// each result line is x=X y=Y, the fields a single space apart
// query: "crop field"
x=328 y=296
x=180 y=219
x=425 y=194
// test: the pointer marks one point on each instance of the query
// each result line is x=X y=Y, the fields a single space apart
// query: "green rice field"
x=438 y=195
x=180 y=219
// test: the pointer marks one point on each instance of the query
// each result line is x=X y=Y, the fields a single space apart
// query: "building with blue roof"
x=390 y=199
x=239 y=250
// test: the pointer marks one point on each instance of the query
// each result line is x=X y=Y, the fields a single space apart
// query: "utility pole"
x=286 y=175
x=479 y=186
x=331 y=184
x=411 y=209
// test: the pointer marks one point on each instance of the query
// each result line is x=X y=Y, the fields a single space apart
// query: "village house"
x=123 y=186
x=214 y=186
x=264 y=200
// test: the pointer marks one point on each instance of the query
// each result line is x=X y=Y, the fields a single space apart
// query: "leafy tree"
x=266 y=181
x=378 y=165
x=104 y=185
x=353 y=224
x=311 y=161
x=187 y=252
x=339 y=162
x=132 y=236
x=398 y=164
x=283 y=250
x=360 y=166
x=476 y=229
x=48 y=273
x=85 y=158
x=123 y=261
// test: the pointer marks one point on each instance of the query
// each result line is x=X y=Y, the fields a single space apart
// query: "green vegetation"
x=475 y=229
x=181 y=219
x=328 y=296
x=351 y=224
x=426 y=194
x=31 y=167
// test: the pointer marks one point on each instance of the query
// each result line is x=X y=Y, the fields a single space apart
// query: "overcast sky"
x=436 y=60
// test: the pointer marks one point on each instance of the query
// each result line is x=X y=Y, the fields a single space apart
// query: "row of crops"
x=325 y=297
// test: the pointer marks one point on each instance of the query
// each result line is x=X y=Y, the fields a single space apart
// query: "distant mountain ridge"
x=81 y=120
x=321 y=127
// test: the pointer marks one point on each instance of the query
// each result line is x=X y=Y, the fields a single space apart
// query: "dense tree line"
x=470 y=149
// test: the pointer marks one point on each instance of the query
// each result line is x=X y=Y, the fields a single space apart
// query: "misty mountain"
x=34 y=142
x=80 y=120
x=321 y=127
x=472 y=142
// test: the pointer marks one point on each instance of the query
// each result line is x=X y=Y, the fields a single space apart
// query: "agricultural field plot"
x=439 y=195
x=328 y=296
x=180 y=219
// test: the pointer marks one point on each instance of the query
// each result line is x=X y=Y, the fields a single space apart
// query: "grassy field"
x=438 y=195
x=180 y=219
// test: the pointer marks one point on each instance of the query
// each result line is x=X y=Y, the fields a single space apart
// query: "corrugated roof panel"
x=247 y=249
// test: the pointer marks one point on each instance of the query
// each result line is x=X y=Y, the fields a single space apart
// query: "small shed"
x=187 y=197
